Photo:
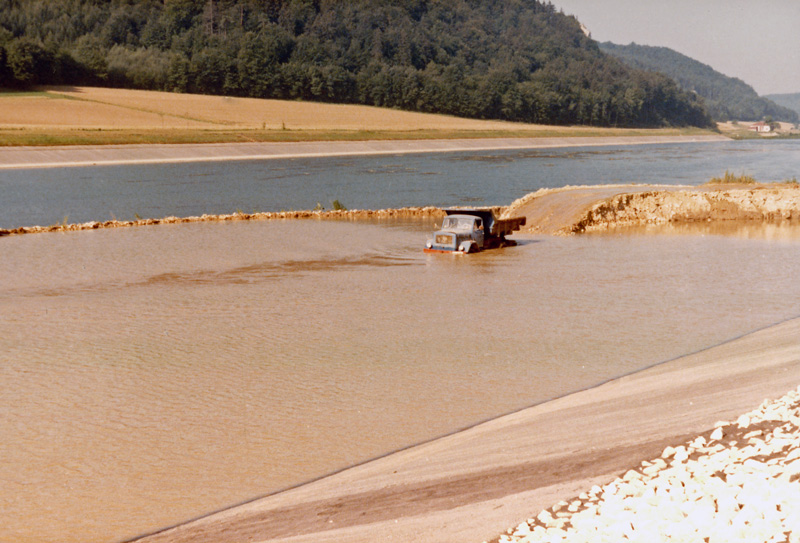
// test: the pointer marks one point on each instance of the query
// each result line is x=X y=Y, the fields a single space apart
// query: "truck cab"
x=471 y=230
x=462 y=233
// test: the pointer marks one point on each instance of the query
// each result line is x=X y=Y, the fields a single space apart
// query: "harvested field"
x=68 y=111
x=90 y=107
x=89 y=115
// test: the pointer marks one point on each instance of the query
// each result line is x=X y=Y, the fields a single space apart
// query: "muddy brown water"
x=154 y=374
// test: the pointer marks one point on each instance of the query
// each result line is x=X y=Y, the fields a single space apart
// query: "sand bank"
x=473 y=485
x=571 y=210
x=345 y=214
x=108 y=155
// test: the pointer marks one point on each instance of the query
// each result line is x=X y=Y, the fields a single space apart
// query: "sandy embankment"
x=473 y=485
x=356 y=214
x=571 y=210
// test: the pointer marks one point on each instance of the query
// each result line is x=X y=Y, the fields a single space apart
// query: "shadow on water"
x=281 y=270
x=246 y=275
x=524 y=242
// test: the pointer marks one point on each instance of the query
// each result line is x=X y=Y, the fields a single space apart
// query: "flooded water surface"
x=154 y=374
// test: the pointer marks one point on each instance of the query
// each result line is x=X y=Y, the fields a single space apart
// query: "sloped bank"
x=571 y=210
x=355 y=214
x=474 y=484
x=738 y=482
x=764 y=203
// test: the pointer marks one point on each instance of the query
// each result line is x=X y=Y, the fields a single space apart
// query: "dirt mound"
x=571 y=210
x=354 y=214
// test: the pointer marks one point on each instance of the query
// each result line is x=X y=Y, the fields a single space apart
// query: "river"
x=81 y=194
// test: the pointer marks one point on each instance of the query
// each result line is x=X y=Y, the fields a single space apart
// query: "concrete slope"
x=472 y=485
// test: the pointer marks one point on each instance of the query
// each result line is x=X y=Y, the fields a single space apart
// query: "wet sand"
x=473 y=485
x=107 y=155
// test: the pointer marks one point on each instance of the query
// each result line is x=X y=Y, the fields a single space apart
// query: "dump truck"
x=471 y=230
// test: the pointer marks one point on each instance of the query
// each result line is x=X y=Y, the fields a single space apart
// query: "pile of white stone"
x=739 y=483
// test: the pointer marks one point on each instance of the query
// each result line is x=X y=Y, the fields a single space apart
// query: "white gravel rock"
x=699 y=491
x=545 y=517
x=743 y=421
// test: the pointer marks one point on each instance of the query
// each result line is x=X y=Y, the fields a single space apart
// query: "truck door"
x=478 y=233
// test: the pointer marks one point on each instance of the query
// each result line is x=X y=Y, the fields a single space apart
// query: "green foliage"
x=726 y=98
x=514 y=60
x=27 y=62
x=337 y=206
x=732 y=179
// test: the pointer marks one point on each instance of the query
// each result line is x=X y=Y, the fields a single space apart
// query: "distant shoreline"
x=30 y=157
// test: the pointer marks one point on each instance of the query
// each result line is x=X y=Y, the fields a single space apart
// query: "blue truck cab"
x=471 y=230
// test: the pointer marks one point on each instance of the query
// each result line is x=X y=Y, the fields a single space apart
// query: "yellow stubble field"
x=85 y=115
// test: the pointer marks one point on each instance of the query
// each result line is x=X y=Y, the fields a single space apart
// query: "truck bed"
x=504 y=227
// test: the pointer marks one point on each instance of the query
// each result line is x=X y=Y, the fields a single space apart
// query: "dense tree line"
x=518 y=60
x=726 y=98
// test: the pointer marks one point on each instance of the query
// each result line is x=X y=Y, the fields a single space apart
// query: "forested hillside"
x=792 y=100
x=726 y=98
x=517 y=60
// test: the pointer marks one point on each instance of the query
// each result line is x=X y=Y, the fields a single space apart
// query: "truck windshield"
x=455 y=223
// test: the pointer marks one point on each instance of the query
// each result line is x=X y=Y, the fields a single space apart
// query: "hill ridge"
x=726 y=98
